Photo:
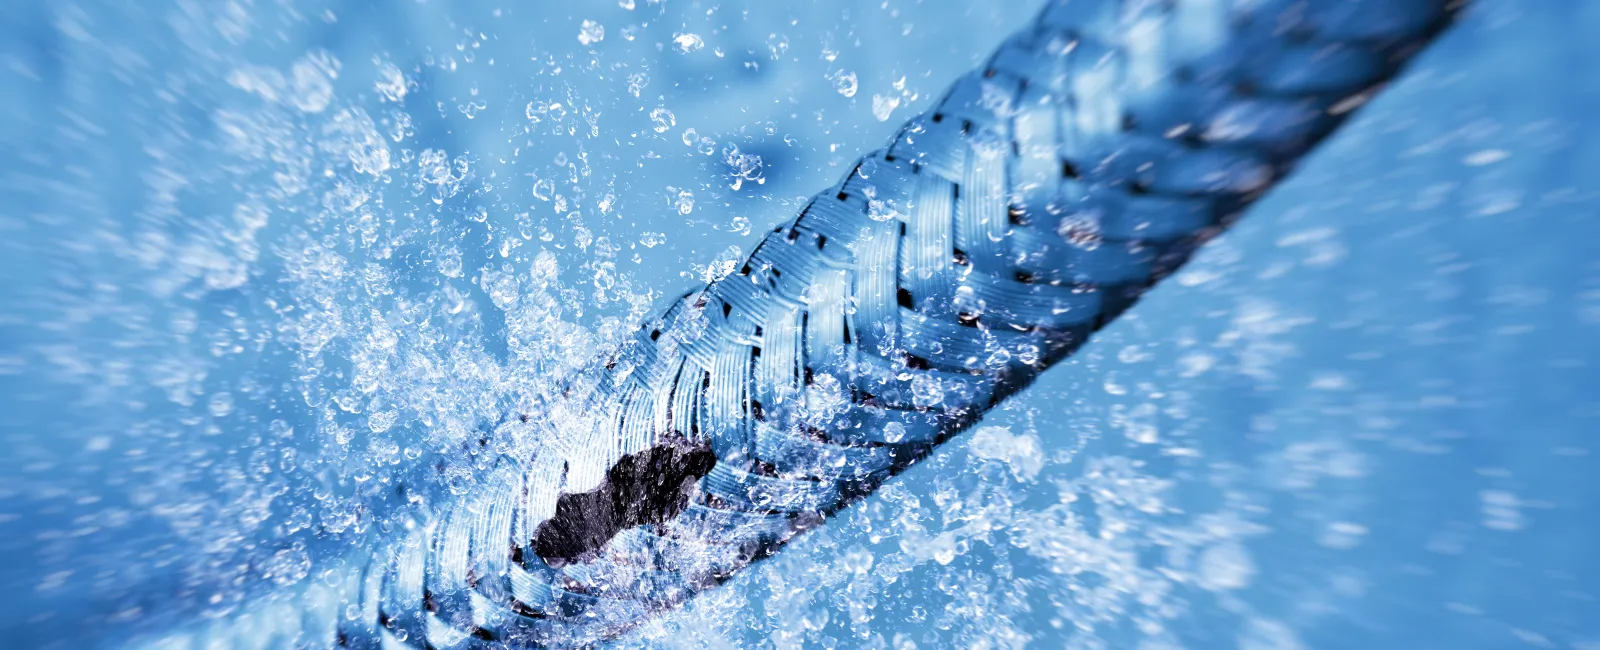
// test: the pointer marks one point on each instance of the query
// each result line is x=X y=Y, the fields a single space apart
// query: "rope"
x=1037 y=201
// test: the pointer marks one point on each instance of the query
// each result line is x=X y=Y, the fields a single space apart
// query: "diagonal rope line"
x=1086 y=160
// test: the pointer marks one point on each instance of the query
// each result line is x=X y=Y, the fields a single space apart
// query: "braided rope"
x=1085 y=161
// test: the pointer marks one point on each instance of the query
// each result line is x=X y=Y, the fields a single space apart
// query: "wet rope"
x=1086 y=160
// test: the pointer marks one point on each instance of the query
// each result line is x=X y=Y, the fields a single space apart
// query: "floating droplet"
x=844 y=82
x=591 y=32
x=664 y=119
x=391 y=83
x=221 y=404
x=543 y=188
x=883 y=106
x=688 y=42
x=684 y=201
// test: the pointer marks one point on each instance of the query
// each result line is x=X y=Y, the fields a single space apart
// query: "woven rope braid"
x=1084 y=162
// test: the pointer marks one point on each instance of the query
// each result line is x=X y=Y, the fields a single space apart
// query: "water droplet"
x=684 y=201
x=221 y=404
x=605 y=275
x=502 y=288
x=1022 y=452
x=844 y=82
x=688 y=42
x=1486 y=157
x=894 y=432
x=883 y=106
x=926 y=391
x=637 y=82
x=777 y=45
x=382 y=421
x=433 y=166
x=943 y=547
x=546 y=269
x=1133 y=354
x=591 y=32
x=664 y=119
x=450 y=262
x=312 y=82
x=391 y=83
x=543 y=188
x=288 y=566
x=1226 y=566
x=857 y=560
x=724 y=264
x=883 y=210
x=742 y=166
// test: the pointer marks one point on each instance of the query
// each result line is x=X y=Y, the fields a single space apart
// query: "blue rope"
x=1039 y=199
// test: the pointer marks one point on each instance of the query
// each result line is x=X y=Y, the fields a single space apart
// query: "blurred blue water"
x=1362 y=419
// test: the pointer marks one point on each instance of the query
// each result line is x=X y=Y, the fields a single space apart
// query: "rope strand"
x=1086 y=160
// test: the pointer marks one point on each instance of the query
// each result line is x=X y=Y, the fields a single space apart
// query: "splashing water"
x=270 y=296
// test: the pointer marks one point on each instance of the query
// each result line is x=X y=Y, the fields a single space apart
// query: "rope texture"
x=1085 y=161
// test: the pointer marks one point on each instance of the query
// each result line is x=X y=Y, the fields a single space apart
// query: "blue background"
x=1361 y=419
